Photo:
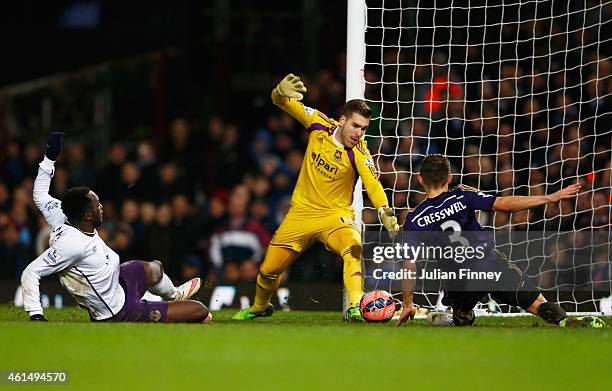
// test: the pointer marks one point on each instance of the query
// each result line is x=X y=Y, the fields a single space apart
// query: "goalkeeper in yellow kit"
x=321 y=207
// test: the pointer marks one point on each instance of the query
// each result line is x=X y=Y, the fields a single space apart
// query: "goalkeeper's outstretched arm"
x=517 y=203
x=287 y=95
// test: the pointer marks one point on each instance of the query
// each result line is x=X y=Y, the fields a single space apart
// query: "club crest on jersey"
x=338 y=156
x=155 y=316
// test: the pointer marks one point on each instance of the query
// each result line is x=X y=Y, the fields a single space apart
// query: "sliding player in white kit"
x=90 y=270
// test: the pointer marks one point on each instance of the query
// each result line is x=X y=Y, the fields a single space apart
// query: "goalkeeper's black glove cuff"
x=38 y=318
x=54 y=145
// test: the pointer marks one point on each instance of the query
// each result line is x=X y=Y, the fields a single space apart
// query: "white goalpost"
x=517 y=94
x=355 y=86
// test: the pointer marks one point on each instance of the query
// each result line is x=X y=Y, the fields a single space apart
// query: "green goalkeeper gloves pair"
x=292 y=87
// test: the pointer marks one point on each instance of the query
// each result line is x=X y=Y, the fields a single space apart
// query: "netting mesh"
x=517 y=95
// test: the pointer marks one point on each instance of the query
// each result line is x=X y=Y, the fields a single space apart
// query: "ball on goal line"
x=378 y=306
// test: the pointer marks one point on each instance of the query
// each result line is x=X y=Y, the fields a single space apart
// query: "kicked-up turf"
x=304 y=351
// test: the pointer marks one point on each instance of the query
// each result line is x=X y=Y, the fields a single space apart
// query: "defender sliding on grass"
x=321 y=202
x=90 y=270
x=454 y=211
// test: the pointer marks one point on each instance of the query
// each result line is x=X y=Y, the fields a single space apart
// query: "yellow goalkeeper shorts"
x=301 y=228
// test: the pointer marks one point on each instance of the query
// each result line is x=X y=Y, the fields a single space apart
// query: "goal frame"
x=355 y=89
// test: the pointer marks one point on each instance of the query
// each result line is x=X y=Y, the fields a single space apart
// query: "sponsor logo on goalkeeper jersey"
x=441 y=214
x=323 y=166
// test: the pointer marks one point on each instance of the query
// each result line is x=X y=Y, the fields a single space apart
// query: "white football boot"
x=188 y=289
x=438 y=318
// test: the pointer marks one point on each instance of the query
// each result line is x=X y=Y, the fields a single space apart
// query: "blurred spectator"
x=187 y=228
x=78 y=168
x=182 y=148
x=123 y=242
x=239 y=240
x=232 y=162
x=261 y=144
x=171 y=183
x=5 y=200
x=14 y=252
x=12 y=167
x=31 y=157
x=211 y=150
x=160 y=241
x=131 y=186
x=109 y=177
x=60 y=183
x=147 y=165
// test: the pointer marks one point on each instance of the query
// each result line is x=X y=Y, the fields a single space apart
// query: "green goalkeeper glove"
x=388 y=219
x=291 y=86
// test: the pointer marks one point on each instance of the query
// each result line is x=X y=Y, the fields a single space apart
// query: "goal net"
x=516 y=94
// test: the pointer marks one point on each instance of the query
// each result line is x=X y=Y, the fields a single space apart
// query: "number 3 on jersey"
x=455 y=237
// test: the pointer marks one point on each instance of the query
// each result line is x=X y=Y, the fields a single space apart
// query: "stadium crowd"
x=205 y=200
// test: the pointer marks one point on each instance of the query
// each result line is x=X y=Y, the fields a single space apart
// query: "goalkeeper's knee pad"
x=268 y=282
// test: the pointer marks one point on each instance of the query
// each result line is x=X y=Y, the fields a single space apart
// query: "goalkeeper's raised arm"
x=287 y=95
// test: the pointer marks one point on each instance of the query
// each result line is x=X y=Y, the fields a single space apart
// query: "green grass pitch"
x=305 y=351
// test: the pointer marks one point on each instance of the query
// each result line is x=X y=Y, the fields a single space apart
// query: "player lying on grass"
x=321 y=202
x=459 y=206
x=90 y=270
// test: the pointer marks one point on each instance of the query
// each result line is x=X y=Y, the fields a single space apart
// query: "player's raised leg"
x=346 y=242
x=160 y=284
x=277 y=260
x=135 y=277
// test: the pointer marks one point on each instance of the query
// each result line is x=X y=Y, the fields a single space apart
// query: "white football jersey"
x=86 y=266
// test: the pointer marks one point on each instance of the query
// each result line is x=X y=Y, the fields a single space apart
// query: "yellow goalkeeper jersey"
x=329 y=170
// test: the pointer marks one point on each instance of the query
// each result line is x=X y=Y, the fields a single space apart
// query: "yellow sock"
x=353 y=279
x=267 y=284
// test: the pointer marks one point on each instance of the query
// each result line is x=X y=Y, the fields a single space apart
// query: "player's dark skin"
x=187 y=311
